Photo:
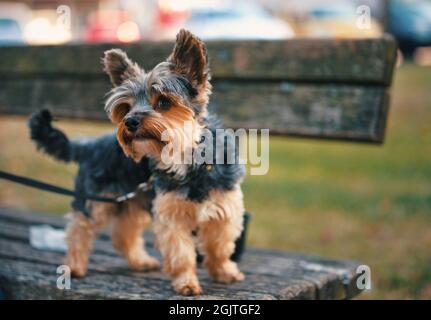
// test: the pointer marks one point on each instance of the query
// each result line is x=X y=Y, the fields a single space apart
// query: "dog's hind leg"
x=127 y=236
x=80 y=234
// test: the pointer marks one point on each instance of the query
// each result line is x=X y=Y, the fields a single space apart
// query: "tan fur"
x=129 y=223
x=219 y=221
x=127 y=231
x=219 y=218
x=174 y=221
x=121 y=109
x=80 y=233
x=189 y=59
x=171 y=121
x=221 y=226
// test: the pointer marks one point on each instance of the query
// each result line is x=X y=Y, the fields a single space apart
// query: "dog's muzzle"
x=132 y=123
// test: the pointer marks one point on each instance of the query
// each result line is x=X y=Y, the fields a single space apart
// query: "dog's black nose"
x=132 y=123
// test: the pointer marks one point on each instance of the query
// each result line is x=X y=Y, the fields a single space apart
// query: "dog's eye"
x=163 y=103
x=120 y=112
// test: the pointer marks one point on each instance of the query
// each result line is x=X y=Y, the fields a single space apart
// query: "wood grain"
x=355 y=60
x=349 y=112
x=316 y=88
x=27 y=273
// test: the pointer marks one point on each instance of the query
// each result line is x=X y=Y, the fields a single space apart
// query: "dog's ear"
x=119 y=67
x=190 y=58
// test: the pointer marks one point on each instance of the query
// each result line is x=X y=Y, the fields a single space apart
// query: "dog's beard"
x=159 y=130
x=145 y=142
x=146 y=147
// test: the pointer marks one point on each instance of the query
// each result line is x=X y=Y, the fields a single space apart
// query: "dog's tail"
x=51 y=140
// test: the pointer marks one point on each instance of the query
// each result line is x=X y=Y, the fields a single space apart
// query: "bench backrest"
x=322 y=88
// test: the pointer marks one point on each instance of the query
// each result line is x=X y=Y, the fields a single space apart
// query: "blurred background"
x=33 y=22
x=349 y=201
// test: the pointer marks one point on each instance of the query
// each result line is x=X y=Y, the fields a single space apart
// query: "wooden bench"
x=26 y=273
x=328 y=89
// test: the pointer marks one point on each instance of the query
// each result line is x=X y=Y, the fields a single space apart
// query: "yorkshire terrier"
x=202 y=197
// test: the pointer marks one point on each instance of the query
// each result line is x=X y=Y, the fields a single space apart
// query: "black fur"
x=103 y=167
x=202 y=178
x=51 y=140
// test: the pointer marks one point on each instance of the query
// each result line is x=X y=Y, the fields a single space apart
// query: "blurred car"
x=238 y=20
x=44 y=28
x=410 y=22
x=10 y=32
x=221 y=19
x=13 y=17
x=337 y=20
x=111 y=26
x=21 y=25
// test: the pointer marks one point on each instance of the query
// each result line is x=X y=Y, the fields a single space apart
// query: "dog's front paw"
x=78 y=269
x=229 y=277
x=78 y=273
x=187 y=285
x=227 y=273
x=147 y=263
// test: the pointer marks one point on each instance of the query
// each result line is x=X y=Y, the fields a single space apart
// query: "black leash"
x=60 y=190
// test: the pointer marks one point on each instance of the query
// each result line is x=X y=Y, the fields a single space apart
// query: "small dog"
x=203 y=197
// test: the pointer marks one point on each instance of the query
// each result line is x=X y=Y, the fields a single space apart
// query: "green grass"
x=342 y=200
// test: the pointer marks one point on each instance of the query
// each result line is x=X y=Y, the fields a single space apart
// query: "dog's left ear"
x=190 y=58
x=119 y=67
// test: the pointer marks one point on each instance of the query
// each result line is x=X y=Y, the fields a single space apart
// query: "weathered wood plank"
x=259 y=282
x=26 y=273
x=316 y=60
x=309 y=110
x=351 y=112
x=321 y=88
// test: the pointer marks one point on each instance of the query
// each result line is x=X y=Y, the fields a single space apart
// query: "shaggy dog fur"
x=204 y=197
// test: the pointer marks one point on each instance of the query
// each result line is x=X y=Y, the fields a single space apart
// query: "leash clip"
x=125 y=197
x=144 y=187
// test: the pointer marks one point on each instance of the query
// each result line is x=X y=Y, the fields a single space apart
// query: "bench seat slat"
x=319 y=88
x=347 y=60
x=331 y=111
x=28 y=273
